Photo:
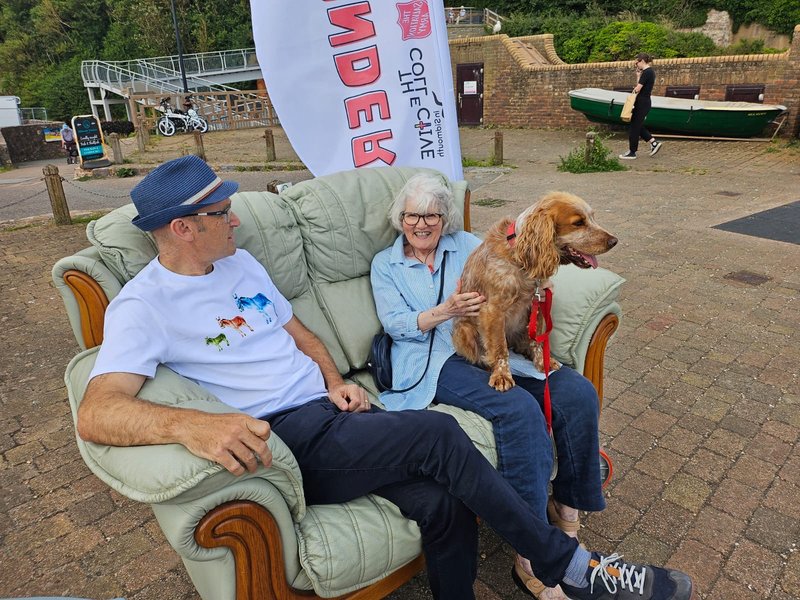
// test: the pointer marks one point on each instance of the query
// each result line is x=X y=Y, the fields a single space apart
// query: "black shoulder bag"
x=379 y=362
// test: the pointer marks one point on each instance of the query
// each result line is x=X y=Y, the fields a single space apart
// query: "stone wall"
x=719 y=27
x=26 y=143
x=518 y=95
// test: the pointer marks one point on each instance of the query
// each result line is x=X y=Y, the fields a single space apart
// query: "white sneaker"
x=628 y=156
x=655 y=148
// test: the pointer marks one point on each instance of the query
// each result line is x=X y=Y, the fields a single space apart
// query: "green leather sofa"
x=254 y=536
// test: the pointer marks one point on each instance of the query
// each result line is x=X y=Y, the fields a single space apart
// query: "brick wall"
x=519 y=95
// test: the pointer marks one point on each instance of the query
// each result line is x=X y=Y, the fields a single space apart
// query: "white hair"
x=428 y=193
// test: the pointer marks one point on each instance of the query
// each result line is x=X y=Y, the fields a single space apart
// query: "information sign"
x=89 y=136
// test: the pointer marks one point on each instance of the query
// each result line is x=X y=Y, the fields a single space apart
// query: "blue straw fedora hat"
x=175 y=189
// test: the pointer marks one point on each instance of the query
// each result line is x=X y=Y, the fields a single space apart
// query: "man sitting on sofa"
x=283 y=379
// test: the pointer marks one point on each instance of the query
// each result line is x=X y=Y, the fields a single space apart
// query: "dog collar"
x=511 y=233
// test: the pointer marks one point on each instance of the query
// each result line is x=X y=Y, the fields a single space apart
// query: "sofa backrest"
x=316 y=241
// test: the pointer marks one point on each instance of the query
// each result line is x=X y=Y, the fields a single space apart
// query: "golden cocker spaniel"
x=515 y=260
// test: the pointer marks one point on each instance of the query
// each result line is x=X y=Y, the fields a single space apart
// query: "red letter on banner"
x=352 y=70
x=367 y=149
x=364 y=103
x=348 y=17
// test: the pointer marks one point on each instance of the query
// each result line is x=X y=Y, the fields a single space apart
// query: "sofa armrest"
x=160 y=473
x=86 y=286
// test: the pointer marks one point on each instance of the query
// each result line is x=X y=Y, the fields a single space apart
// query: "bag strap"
x=433 y=331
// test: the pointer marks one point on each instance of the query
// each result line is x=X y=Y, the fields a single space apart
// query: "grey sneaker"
x=655 y=148
x=612 y=579
x=628 y=155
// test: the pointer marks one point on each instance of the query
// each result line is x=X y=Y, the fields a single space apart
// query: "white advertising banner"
x=360 y=84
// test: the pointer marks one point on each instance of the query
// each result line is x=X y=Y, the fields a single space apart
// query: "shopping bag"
x=627 y=108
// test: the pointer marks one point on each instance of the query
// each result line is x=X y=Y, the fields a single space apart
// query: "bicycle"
x=173 y=119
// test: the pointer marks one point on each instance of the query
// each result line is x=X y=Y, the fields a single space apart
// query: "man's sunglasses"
x=214 y=213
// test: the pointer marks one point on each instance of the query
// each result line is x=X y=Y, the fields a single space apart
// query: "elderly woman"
x=405 y=282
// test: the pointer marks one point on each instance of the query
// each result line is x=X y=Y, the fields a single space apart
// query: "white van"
x=9 y=111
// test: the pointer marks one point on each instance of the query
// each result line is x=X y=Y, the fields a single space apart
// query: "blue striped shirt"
x=404 y=287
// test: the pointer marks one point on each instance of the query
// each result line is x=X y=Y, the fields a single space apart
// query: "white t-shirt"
x=223 y=330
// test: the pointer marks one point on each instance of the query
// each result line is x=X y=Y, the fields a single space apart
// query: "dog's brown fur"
x=508 y=273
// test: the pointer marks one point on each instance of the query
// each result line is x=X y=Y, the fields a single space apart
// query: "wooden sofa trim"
x=92 y=303
x=251 y=534
x=595 y=354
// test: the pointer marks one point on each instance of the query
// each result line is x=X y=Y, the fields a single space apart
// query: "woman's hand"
x=461 y=304
x=458 y=304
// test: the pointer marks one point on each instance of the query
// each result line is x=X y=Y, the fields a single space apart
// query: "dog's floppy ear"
x=535 y=248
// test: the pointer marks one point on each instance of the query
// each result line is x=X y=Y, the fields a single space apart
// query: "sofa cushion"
x=344 y=547
x=342 y=231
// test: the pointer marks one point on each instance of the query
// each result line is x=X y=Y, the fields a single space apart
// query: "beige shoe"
x=555 y=519
x=533 y=587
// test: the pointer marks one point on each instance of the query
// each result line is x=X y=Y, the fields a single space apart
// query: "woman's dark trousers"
x=637 y=128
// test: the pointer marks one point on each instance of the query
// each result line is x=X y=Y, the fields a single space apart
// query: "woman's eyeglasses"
x=226 y=213
x=411 y=219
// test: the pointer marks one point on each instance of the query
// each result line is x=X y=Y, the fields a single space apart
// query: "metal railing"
x=120 y=76
x=209 y=63
x=33 y=114
x=469 y=15
x=463 y=15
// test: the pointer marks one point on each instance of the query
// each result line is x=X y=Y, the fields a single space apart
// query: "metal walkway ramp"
x=109 y=83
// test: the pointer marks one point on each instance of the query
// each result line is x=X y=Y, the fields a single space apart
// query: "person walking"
x=643 y=90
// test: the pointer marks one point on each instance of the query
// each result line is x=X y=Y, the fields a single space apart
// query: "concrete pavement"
x=702 y=402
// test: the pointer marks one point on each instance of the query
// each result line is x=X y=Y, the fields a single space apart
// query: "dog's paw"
x=501 y=378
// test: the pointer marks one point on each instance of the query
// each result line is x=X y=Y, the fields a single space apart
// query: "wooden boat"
x=679 y=115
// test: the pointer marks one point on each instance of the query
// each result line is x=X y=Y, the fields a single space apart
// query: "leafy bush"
x=778 y=15
x=598 y=160
x=623 y=40
x=123 y=128
x=746 y=47
x=125 y=172
x=520 y=24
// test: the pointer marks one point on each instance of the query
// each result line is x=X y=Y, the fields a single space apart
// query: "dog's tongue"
x=590 y=258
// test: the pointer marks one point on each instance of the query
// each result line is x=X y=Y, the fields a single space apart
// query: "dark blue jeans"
x=524 y=450
x=424 y=463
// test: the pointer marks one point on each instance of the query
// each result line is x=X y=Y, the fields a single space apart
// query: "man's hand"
x=349 y=397
x=234 y=441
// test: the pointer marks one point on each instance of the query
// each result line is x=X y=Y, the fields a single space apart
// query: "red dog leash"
x=544 y=337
